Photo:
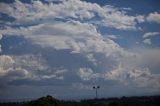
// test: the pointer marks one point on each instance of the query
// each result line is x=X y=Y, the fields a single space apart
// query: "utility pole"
x=96 y=88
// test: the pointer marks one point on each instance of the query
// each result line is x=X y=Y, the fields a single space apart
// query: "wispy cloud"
x=150 y=34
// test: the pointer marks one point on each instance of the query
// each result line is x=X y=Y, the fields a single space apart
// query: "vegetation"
x=123 y=101
x=43 y=101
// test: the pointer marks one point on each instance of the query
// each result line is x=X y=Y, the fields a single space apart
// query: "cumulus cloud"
x=154 y=17
x=147 y=36
x=92 y=59
x=78 y=37
x=73 y=35
x=87 y=74
x=0 y=36
x=81 y=86
x=148 y=55
x=137 y=70
x=58 y=74
x=28 y=67
x=53 y=0
x=38 y=68
x=109 y=15
x=8 y=72
x=147 y=41
x=144 y=78
x=77 y=9
x=112 y=36
x=0 y=40
x=120 y=20
x=150 y=34
x=5 y=63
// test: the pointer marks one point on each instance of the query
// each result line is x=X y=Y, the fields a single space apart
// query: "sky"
x=65 y=47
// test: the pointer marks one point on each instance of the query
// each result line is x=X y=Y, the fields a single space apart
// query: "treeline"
x=123 y=101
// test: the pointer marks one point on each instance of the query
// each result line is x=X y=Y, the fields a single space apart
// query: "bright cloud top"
x=71 y=9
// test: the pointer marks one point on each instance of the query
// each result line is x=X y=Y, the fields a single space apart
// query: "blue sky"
x=65 y=47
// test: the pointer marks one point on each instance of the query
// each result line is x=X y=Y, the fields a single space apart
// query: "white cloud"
x=74 y=9
x=0 y=48
x=78 y=37
x=154 y=17
x=73 y=35
x=120 y=20
x=148 y=76
x=112 y=36
x=87 y=74
x=5 y=63
x=37 y=67
x=0 y=40
x=140 y=18
x=151 y=58
x=8 y=71
x=86 y=41
x=150 y=34
x=116 y=74
x=81 y=86
x=26 y=12
x=56 y=74
x=91 y=58
x=26 y=67
x=128 y=74
x=147 y=41
x=141 y=69
x=1 y=36
x=53 y=0
x=144 y=78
